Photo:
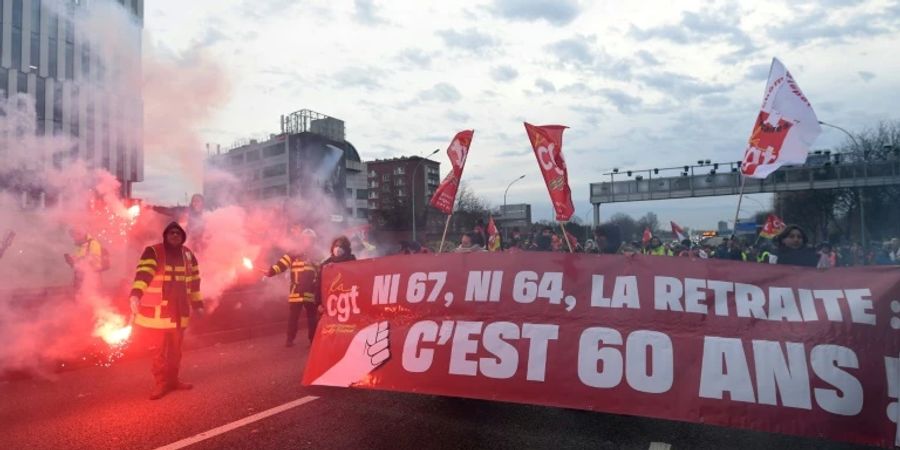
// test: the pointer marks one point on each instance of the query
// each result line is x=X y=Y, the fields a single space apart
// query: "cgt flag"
x=773 y=227
x=785 y=127
x=547 y=143
x=678 y=232
x=646 y=237
x=493 y=236
x=445 y=195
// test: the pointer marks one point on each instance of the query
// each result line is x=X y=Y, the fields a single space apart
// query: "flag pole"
x=738 y=212
x=566 y=235
x=444 y=237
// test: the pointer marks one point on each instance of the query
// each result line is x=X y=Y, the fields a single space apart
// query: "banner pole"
x=444 y=237
x=738 y=212
x=566 y=235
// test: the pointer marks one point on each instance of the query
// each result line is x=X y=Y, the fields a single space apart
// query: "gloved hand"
x=134 y=302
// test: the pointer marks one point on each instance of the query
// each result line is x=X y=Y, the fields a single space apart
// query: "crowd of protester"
x=791 y=247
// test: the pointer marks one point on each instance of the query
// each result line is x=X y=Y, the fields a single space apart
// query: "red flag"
x=647 y=236
x=773 y=227
x=493 y=235
x=547 y=143
x=678 y=232
x=445 y=195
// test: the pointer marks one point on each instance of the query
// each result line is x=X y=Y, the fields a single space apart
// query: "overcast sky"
x=640 y=84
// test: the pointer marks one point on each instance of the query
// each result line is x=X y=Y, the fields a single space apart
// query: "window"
x=70 y=61
x=362 y=213
x=274 y=191
x=17 y=48
x=399 y=171
x=120 y=156
x=104 y=133
x=362 y=194
x=373 y=184
x=401 y=192
x=35 y=34
x=70 y=50
x=349 y=192
x=386 y=188
x=236 y=159
x=385 y=177
x=52 y=60
x=89 y=136
x=1 y=35
x=400 y=182
x=372 y=174
x=4 y=75
x=70 y=32
x=85 y=61
x=40 y=99
x=35 y=60
x=58 y=105
x=373 y=195
x=21 y=83
x=74 y=103
x=274 y=171
x=17 y=13
x=273 y=150
x=253 y=155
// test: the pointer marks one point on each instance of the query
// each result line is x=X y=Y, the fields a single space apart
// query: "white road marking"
x=659 y=446
x=238 y=423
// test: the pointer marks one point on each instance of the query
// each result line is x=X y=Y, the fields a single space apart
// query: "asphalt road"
x=98 y=407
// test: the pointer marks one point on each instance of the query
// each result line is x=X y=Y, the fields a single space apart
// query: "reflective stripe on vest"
x=153 y=293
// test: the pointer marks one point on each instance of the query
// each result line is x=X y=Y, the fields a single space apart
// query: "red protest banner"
x=445 y=195
x=771 y=348
x=547 y=143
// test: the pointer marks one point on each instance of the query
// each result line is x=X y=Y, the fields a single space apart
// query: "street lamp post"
x=859 y=192
x=414 y=191
x=505 y=232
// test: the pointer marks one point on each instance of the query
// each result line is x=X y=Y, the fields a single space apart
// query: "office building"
x=78 y=81
x=309 y=157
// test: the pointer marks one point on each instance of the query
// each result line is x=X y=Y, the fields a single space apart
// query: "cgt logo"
x=341 y=302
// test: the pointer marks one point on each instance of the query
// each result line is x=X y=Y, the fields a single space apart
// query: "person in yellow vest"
x=656 y=248
x=304 y=279
x=166 y=288
x=87 y=260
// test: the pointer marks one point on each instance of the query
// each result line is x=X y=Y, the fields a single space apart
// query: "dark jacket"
x=167 y=282
x=334 y=259
x=804 y=256
x=304 y=277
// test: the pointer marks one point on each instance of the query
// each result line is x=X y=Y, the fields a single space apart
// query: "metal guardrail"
x=798 y=178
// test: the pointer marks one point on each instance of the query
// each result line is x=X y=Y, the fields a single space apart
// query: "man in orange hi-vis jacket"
x=166 y=287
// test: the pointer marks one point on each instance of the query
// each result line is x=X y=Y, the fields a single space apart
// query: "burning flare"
x=134 y=211
x=113 y=329
x=248 y=264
